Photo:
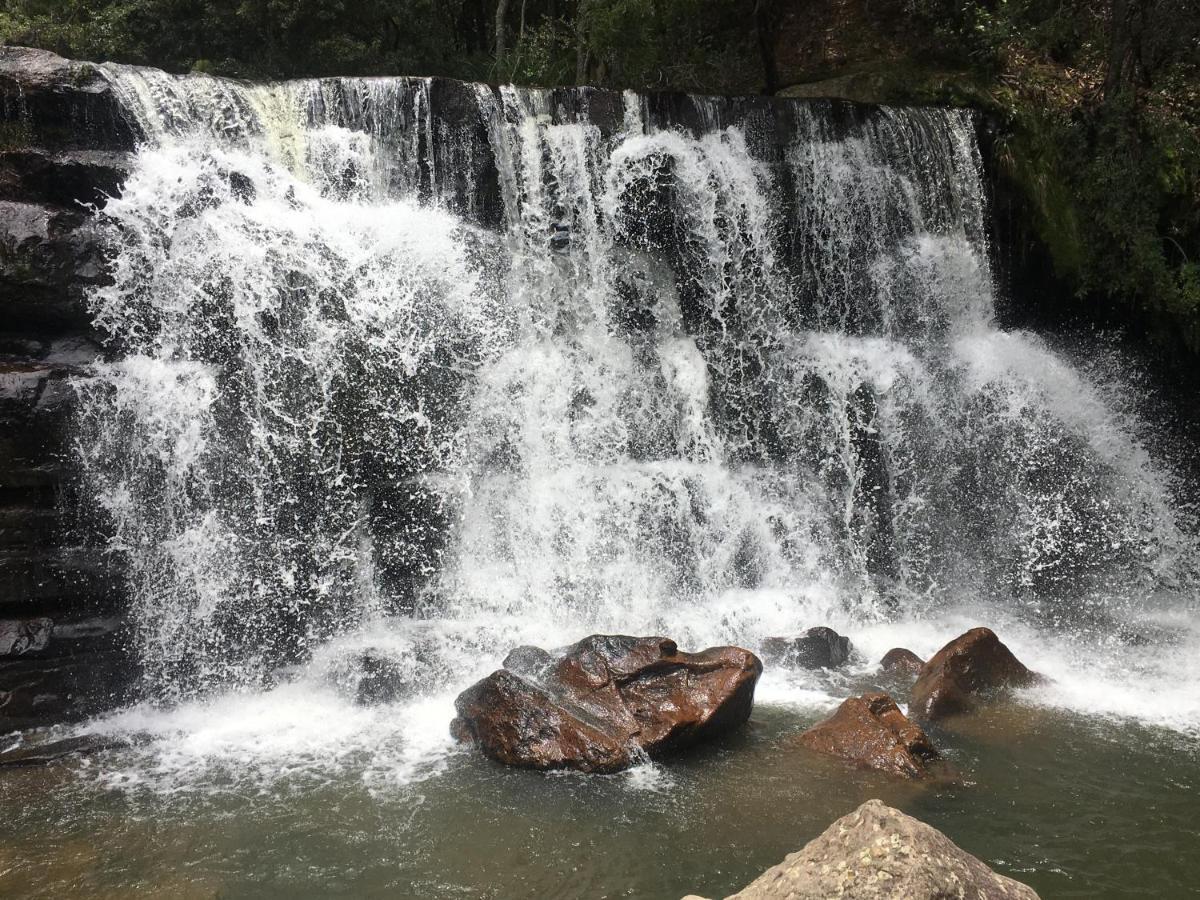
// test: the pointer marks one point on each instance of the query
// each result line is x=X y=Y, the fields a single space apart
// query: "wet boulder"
x=879 y=853
x=967 y=671
x=901 y=661
x=871 y=732
x=817 y=648
x=606 y=703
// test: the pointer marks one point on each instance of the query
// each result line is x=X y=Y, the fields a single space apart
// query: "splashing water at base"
x=752 y=392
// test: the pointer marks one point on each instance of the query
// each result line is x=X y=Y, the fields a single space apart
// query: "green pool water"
x=1075 y=807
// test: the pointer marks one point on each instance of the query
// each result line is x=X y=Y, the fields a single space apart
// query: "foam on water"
x=753 y=393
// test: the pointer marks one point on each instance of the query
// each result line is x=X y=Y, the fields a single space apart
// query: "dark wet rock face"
x=879 y=853
x=817 y=648
x=900 y=661
x=871 y=732
x=606 y=703
x=67 y=147
x=969 y=670
x=56 y=102
x=21 y=636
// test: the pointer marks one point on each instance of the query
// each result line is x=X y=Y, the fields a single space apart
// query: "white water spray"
x=742 y=395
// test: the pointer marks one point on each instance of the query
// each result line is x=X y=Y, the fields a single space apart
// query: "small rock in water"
x=901 y=661
x=607 y=703
x=817 y=648
x=970 y=669
x=871 y=732
x=879 y=853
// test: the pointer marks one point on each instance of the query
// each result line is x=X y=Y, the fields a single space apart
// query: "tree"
x=501 y=17
x=1126 y=74
x=766 y=21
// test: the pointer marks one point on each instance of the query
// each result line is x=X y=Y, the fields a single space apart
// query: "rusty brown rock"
x=968 y=670
x=871 y=732
x=901 y=661
x=607 y=702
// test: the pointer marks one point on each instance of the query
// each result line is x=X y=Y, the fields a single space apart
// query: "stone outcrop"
x=606 y=703
x=871 y=732
x=817 y=648
x=65 y=149
x=901 y=661
x=969 y=670
x=879 y=853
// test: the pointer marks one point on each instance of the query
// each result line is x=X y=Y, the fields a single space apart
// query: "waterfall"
x=470 y=368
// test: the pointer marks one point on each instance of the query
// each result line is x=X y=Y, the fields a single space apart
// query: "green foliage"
x=696 y=45
x=266 y=38
x=684 y=44
x=1109 y=170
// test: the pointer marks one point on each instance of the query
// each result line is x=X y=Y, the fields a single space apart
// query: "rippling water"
x=1074 y=806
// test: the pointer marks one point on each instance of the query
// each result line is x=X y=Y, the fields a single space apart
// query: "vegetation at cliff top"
x=1098 y=101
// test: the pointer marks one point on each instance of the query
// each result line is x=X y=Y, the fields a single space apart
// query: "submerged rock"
x=871 y=732
x=608 y=702
x=378 y=675
x=56 y=751
x=380 y=679
x=901 y=661
x=968 y=670
x=817 y=648
x=879 y=853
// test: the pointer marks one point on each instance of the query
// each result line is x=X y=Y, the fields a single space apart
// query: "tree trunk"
x=765 y=16
x=581 y=47
x=1126 y=72
x=501 y=15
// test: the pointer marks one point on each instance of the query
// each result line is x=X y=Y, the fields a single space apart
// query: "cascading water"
x=385 y=385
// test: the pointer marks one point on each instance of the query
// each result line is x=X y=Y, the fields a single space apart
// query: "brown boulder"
x=871 y=732
x=879 y=853
x=969 y=669
x=901 y=661
x=609 y=701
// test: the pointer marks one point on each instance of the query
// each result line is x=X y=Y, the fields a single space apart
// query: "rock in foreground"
x=817 y=648
x=871 y=732
x=879 y=853
x=969 y=669
x=607 y=702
